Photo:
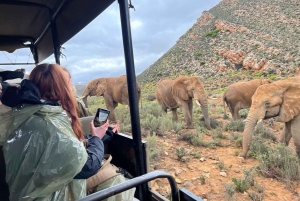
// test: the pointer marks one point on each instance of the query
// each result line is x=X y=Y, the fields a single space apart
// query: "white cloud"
x=97 y=51
x=135 y=24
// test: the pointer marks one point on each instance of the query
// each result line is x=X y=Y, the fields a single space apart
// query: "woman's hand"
x=116 y=128
x=99 y=131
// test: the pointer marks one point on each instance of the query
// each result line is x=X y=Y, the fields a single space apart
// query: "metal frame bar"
x=25 y=3
x=51 y=24
x=142 y=190
x=184 y=194
x=5 y=64
x=32 y=47
x=132 y=183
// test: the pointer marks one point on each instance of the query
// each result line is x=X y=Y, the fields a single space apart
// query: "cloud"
x=97 y=50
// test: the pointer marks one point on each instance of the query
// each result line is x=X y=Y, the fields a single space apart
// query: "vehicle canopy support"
x=142 y=190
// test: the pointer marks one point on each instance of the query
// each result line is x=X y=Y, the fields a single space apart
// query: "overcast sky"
x=97 y=51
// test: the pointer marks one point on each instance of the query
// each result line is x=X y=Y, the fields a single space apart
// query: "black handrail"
x=133 y=97
x=133 y=183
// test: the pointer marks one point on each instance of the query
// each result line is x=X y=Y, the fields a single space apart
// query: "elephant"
x=113 y=89
x=280 y=99
x=180 y=93
x=238 y=95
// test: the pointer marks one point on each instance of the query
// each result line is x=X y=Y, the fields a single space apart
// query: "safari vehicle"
x=43 y=27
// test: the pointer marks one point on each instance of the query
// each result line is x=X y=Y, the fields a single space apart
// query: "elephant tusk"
x=197 y=102
x=259 y=121
x=81 y=97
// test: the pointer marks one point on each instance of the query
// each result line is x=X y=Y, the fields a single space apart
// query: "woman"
x=43 y=143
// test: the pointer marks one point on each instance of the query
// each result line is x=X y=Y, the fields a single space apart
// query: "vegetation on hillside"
x=266 y=32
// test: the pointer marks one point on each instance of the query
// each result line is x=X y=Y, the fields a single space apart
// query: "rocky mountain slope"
x=252 y=37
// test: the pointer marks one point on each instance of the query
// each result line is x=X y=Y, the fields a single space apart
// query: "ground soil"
x=187 y=174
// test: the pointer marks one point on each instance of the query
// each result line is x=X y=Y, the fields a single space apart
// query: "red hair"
x=53 y=85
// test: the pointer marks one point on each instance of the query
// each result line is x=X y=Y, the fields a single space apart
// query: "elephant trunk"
x=204 y=108
x=251 y=122
x=84 y=99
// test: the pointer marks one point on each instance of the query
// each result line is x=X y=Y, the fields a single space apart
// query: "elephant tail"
x=141 y=103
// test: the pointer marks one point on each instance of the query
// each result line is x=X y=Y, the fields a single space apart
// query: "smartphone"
x=101 y=117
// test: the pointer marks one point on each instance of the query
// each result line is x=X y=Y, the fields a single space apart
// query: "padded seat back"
x=85 y=124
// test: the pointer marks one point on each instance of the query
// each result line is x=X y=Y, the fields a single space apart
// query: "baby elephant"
x=238 y=95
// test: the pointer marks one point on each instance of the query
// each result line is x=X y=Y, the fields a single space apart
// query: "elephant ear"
x=101 y=87
x=179 y=89
x=291 y=105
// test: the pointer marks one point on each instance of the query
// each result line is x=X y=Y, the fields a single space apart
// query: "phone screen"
x=101 y=117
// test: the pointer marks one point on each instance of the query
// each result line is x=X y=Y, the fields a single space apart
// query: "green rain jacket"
x=42 y=154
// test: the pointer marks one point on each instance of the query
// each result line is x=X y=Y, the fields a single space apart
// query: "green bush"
x=244 y=113
x=177 y=127
x=237 y=125
x=220 y=90
x=166 y=124
x=271 y=77
x=238 y=142
x=193 y=139
x=258 y=74
x=197 y=54
x=279 y=162
x=257 y=147
x=180 y=153
x=151 y=123
x=214 y=143
x=152 y=108
x=150 y=97
x=234 y=136
x=241 y=185
x=218 y=133
x=122 y=114
x=212 y=33
x=229 y=191
x=214 y=123
x=202 y=179
x=154 y=153
x=264 y=132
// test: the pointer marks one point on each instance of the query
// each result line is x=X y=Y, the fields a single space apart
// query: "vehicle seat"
x=85 y=124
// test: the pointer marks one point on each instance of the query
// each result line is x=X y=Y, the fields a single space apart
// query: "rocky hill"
x=236 y=39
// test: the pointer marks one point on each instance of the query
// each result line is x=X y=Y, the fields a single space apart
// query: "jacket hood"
x=27 y=92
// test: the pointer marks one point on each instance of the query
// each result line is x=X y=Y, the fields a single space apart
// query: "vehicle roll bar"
x=108 y=192
x=142 y=190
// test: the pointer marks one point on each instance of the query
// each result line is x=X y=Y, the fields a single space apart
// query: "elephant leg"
x=174 y=112
x=115 y=104
x=295 y=130
x=185 y=109
x=165 y=108
x=236 y=115
x=286 y=133
x=110 y=106
x=190 y=104
x=230 y=106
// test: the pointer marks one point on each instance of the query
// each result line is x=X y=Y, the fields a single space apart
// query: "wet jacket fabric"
x=41 y=151
x=42 y=154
